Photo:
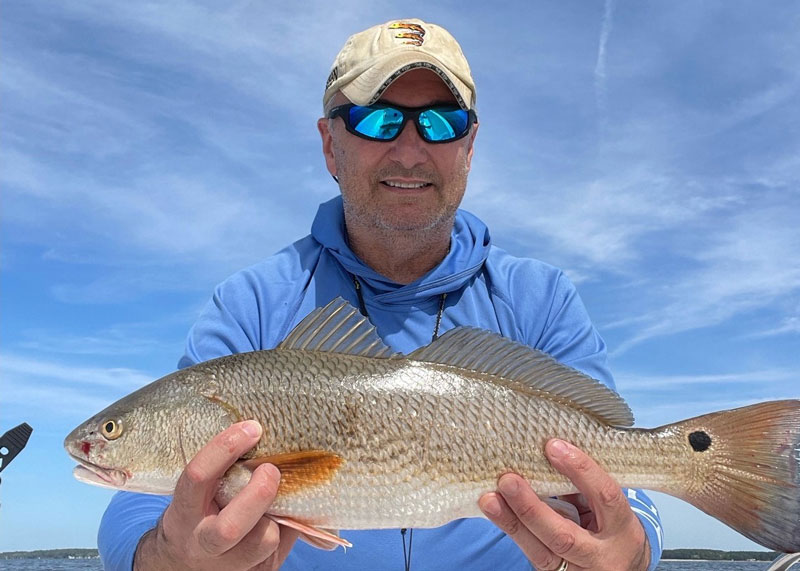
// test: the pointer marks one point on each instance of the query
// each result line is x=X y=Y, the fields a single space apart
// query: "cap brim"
x=368 y=86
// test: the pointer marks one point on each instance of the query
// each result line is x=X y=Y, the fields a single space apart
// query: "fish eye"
x=111 y=429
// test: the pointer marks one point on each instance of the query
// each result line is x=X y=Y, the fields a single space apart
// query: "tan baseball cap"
x=371 y=60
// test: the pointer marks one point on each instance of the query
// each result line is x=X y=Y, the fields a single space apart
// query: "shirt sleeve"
x=126 y=519
x=646 y=511
x=247 y=312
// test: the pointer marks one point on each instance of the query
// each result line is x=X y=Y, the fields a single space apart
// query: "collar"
x=469 y=247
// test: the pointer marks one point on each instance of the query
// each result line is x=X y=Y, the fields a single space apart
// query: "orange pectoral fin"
x=319 y=538
x=300 y=470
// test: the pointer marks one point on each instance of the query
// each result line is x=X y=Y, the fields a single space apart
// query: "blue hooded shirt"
x=522 y=299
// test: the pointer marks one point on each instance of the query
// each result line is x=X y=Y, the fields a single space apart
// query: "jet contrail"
x=600 y=66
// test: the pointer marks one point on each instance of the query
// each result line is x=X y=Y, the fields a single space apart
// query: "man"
x=398 y=136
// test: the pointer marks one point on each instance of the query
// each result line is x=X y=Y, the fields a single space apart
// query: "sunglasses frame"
x=409 y=113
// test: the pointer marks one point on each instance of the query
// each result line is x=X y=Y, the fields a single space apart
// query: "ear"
x=323 y=125
x=471 y=146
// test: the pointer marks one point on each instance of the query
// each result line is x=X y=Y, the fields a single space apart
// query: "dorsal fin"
x=337 y=328
x=486 y=352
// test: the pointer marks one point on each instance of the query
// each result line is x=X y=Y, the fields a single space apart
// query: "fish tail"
x=744 y=470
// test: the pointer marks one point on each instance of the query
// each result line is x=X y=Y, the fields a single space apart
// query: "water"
x=713 y=565
x=50 y=565
x=94 y=565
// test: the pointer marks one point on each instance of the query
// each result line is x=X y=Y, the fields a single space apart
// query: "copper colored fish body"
x=366 y=438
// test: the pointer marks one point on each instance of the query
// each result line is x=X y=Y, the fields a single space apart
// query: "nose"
x=409 y=149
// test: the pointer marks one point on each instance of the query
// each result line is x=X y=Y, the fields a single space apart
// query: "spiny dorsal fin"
x=337 y=328
x=486 y=352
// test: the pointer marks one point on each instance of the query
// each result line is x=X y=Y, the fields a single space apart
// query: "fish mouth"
x=98 y=475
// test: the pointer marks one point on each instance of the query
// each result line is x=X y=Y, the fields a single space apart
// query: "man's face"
x=406 y=184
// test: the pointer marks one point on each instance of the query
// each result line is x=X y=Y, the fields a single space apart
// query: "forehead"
x=418 y=87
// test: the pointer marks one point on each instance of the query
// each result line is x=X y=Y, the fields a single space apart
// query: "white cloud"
x=658 y=399
x=148 y=338
x=110 y=155
x=260 y=51
x=60 y=107
x=60 y=388
x=787 y=326
x=679 y=383
x=750 y=261
x=602 y=223
x=111 y=342
x=57 y=373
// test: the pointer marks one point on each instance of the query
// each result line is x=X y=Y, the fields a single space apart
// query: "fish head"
x=142 y=442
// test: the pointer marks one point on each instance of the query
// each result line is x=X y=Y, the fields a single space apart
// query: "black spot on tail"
x=700 y=441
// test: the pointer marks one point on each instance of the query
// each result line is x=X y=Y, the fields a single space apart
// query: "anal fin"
x=317 y=537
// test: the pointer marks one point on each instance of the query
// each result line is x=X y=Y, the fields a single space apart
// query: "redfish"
x=367 y=438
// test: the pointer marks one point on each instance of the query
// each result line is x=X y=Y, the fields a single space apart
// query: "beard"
x=367 y=203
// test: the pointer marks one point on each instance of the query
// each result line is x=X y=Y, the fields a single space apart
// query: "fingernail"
x=272 y=471
x=508 y=485
x=558 y=448
x=490 y=505
x=251 y=428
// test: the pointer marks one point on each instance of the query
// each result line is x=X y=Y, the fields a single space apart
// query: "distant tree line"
x=716 y=555
x=51 y=554
x=709 y=554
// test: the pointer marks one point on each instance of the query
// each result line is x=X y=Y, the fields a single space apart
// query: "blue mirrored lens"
x=443 y=124
x=381 y=123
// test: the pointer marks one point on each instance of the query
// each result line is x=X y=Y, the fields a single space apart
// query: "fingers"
x=198 y=482
x=603 y=494
x=543 y=535
x=243 y=514
x=614 y=538
x=265 y=546
x=194 y=533
x=256 y=547
x=499 y=513
x=619 y=538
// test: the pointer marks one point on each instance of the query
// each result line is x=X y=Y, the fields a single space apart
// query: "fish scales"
x=426 y=432
x=371 y=439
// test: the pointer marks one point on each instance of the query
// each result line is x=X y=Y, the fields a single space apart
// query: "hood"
x=469 y=247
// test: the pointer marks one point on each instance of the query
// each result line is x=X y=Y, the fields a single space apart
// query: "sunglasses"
x=382 y=122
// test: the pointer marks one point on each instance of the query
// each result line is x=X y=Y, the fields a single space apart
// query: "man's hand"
x=194 y=533
x=610 y=536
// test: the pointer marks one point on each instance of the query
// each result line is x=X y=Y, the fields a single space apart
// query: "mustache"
x=428 y=175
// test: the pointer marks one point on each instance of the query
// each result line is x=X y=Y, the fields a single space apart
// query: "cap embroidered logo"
x=415 y=34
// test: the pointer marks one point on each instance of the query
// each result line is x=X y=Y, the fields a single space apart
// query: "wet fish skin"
x=366 y=439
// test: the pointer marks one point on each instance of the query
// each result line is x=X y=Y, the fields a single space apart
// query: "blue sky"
x=150 y=149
